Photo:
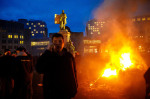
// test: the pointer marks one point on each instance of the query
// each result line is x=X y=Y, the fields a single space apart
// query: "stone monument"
x=61 y=19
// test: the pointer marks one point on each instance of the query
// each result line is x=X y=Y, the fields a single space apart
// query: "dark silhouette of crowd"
x=16 y=72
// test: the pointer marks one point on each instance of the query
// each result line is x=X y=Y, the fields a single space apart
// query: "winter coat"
x=23 y=77
x=59 y=72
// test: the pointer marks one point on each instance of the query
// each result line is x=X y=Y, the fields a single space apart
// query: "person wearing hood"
x=58 y=67
x=24 y=75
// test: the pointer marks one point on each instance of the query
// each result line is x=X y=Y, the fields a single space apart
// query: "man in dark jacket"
x=58 y=67
x=24 y=75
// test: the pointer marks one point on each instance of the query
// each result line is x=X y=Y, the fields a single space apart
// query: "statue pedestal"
x=66 y=35
x=67 y=41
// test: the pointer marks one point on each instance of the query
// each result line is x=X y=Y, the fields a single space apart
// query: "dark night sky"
x=78 y=11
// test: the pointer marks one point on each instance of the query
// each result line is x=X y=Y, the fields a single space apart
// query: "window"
x=138 y=19
x=37 y=32
x=133 y=19
x=43 y=25
x=148 y=18
x=29 y=27
x=3 y=47
x=21 y=37
x=4 y=36
x=31 y=23
x=32 y=34
x=38 y=23
x=41 y=31
x=34 y=29
x=3 y=41
x=31 y=31
x=27 y=23
x=21 y=42
x=9 y=36
x=16 y=41
x=15 y=36
x=34 y=25
x=143 y=19
x=9 y=41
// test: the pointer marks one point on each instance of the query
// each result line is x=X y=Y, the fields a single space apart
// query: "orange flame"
x=109 y=72
x=119 y=61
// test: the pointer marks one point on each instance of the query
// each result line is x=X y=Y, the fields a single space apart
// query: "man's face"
x=58 y=44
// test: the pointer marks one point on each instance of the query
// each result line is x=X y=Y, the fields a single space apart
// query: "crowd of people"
x=57 y=65
x=16 y=74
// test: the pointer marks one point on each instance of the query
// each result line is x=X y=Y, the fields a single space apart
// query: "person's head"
x=20 y=49
x=58 y=42
x=63 y=11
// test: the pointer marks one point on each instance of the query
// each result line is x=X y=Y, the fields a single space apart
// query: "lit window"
x=91 y=32
x=88 y=24
x=43 y=25
x=143 y=19
x=27 y=23
x=38 y=23
x=41 y=31
x=31 y=31
x=31 y=23
x=21 y=42
x=9 y=36
x=34 y=25
x=148 y=18
x=29 y=27
x=15 y=36
x=133 y=19
x=138 y=19
x=32 y=34
x=95 y=50
x=21 y=37
x=34 y=29
x=98 y=32
x=37 y=32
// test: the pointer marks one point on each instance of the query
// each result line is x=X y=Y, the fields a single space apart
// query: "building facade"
x=38 y=28
x=141 y=33
x=13 y=35
x=38 y=46
x=92 y=40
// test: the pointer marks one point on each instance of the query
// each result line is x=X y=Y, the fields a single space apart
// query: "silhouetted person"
x=24 y=75
x=7 y=70
x=147 y=79
x=58 y=67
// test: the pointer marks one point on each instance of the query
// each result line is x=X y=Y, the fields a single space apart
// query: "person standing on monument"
x=59 y=69
x=63 y=21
